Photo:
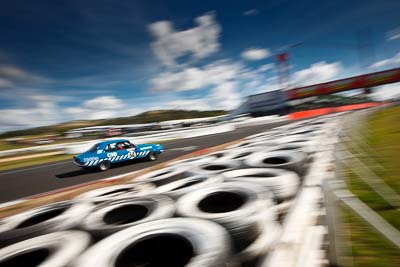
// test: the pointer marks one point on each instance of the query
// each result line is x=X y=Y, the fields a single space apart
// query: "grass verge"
x=368 y=248
x=381 y=136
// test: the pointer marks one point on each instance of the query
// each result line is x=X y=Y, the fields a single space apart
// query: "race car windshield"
x=94 y=148
x=128 y=145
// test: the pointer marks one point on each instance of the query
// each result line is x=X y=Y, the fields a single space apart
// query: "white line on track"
x=33 y=168
x=187 y=148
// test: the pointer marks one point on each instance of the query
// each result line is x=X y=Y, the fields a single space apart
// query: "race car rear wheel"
x=152 y=156
x=105 y=165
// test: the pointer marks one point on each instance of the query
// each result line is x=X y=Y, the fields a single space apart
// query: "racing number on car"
x=132 y=154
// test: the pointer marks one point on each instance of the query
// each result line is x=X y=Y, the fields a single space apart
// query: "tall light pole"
x=282 y=64
x=366 y=51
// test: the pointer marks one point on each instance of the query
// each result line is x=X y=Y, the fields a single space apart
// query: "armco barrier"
x=74 y=149
x=259 y=121
x=78 y=147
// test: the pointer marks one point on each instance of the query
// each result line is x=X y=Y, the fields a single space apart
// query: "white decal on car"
x=112 y=154
x=90 y=159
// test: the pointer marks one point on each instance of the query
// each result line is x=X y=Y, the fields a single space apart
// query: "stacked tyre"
x=225 y=208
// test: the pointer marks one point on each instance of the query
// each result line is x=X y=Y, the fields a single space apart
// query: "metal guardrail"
x=78 y=147
x=371 y=179
x=336 y=193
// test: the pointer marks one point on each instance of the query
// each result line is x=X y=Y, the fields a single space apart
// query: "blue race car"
x=103 y=154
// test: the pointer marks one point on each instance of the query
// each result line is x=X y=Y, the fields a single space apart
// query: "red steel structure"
x=356 y=82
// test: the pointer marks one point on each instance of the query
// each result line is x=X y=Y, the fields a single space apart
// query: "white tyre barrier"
x=269 y=141
x=254 y=253
x=218 y=154
x=306 y=147
x=263 y=135
x=240 y=154
x=253 y=143
x=56 y=250
x=242 y=208
x=266 y=134
x=311 y=145
x=297 y=125
x=282 y=183
x=178 y=188
x=285 y=159
x=163 y=176
x=282 y=209
x=168 y=242
x=294 y=138
x=312 y=131
x=115 y=192
x=42 y=220
x=216 y=167
x=110 y=217
x=192 y=161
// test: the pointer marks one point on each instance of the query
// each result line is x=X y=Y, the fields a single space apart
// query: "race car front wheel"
x=152 y=156
x=104 y=165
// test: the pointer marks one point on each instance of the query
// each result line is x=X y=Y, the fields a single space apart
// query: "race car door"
x=125 y=151
x=116 y=152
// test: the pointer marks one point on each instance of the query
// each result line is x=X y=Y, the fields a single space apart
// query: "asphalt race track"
x=28 y=181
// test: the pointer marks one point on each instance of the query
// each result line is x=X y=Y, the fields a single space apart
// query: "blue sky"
x=68 y=60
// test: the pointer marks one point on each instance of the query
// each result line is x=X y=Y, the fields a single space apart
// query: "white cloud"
x=14 y=73
x=102 y=107
x=223 y=81
x=222 y=77
x=11 y=71
x=225 y=96
x=250 y=12
x=188 y=104
x=79 y=113
x=386 y=92
x=4 y=83
x=103 y=102
x=265 y=67
x=266 y=88
x=387 y=62
x=394 y=37
x=11 y=75
x=40 y=110
x=196 y=78
x=316 y=73
x=255 y=53
x=198 y=42
x=393 y=34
